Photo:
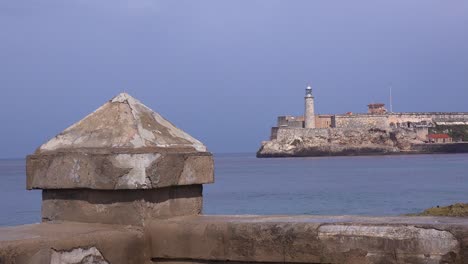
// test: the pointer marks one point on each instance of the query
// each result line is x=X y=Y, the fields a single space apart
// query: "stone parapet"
x=310 y=239
x=243 y=239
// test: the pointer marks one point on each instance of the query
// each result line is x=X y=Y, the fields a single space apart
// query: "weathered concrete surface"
x=122 y=207
x=118 y=171
x=122 y=145
x=122 y=123
x=309 y=239
x=73 y=243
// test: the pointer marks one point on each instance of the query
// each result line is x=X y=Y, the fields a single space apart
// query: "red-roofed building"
x=439 y=138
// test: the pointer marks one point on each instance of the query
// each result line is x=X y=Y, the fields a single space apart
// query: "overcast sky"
x=223 y=70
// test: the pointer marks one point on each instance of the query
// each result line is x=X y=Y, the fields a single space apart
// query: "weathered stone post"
x=122 y=164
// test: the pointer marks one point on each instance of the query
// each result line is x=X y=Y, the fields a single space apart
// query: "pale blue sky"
x=223 y=70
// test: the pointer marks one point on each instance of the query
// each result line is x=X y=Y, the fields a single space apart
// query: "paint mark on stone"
x=137 y=163
x=74 y=172
x=78 y=256
x=435 y=243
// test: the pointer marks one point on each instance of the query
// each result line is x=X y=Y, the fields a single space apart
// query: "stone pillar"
x=122 y=164
x=309 y=113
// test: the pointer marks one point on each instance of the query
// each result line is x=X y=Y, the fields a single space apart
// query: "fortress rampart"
x=397 y=119
x=125 y=186
x=384 y=121
x=376 y=118
x=361 y=121
x=293 y=132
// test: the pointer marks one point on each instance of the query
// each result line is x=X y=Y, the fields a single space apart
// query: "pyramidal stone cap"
x=122 y=145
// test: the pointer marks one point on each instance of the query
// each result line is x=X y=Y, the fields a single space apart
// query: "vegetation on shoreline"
x=458 y=209
x=458 y=132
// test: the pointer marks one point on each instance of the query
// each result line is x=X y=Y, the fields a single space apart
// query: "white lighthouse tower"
x=309 y=113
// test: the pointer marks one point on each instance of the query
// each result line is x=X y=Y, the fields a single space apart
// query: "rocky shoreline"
x=356 y=143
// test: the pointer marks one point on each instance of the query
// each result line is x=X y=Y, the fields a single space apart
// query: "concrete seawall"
x=309 y=239
x=328 y=151
x=243 y=239
x=125 y=186
x=461 y=147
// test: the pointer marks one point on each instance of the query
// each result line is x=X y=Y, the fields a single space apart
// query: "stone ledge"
x=55 y=242
x=310 y=239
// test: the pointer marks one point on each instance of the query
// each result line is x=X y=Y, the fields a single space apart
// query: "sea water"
x=373 y=185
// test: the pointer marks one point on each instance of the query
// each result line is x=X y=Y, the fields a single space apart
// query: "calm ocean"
x=377 y=185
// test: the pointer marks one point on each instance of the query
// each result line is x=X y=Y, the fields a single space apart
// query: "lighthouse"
x=309 y=113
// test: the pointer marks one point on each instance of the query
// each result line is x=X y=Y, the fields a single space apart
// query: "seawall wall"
x=461 y=147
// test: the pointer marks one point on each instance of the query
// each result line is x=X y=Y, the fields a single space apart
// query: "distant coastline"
x=377 y=132
x=323 y=151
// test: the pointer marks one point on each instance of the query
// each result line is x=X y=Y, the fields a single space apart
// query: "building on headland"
x=439 y=138
x=377 y=109
x=377 y=117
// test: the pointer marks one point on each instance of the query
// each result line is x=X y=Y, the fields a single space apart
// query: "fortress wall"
x=287 y=133
x=290 y=121
x=295 y=123
x=422 y=132
x=361 y=121
x=274 y=133
x=404 y=119
x=434 y=114
x=358 y=121
x=323 y=121
x=419 y=117
x=282 y=121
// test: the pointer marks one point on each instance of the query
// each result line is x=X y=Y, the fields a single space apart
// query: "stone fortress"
x=317 y=127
